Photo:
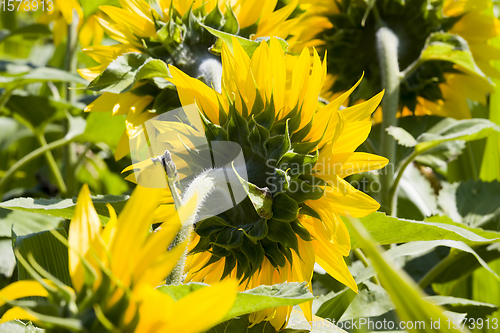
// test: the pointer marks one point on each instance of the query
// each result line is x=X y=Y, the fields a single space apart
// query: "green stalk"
x=30 y=157
x=52 y=164
x=176 y=276
x=4 y=98
x=361 y=256
x=70 y=65
x=436 y=271
x=387 y=52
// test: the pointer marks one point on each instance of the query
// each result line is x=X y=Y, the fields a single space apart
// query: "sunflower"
x=171 y=31
x=297 y=153
x=437 y=87
x=114 y=271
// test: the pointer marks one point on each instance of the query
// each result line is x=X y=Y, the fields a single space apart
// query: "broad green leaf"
x=257 y=299
x=462 y=263
x=40 y=74
x=11 y=130
x=415 y=248
x=489 y=294
x=38 y=111
x=490 y=166
x=465 y=130
x=417 y=189
x=77 y=126
x=119 y=76
x=474 y=203
x=47 y=251
x=402 y=136
x=103 y=127
x=441 y=46
x=24 y=223
x=65 y=208
x=30 y=31
x=17 y=326
x=153 y=68
x=369 y=302
x=391 y=230
x=473 y=308
x=407 y=298
x=236 y=325
x=336 y=306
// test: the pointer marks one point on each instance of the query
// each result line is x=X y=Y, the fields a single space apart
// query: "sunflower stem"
x=361 y=256
x=387 y=52
x=436 y=271
x=176 y=276
x=70 y=65
x=30 y=157
x=52 y=164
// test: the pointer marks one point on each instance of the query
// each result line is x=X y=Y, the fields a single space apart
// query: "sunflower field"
x=249 y=166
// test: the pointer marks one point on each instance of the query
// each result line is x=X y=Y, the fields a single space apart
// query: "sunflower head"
x=296 y=152
x=424 y=30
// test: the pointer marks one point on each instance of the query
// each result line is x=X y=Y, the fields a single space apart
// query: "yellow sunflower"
x=114 y=271
x=173 y=35
x=297 y=153
x=442 y=90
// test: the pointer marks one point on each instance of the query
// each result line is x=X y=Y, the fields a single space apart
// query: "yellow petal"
x=132 y=229
x=83 y=230
x=23 y=288
x=347 y=164
x=17 y=313
x=204 y=308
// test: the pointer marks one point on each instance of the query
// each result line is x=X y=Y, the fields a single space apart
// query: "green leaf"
x=11 y=130
x=285 y=208
x=262 y=199
x=265 y=297
x=235 y=325
x=257 y=299
x=153 y=68
x=179 y=291
x=40 y=74
x=465 y=130
x=391 y=230
x=473 y=308
x=65 y=208
x=30 y=31
x=474 y=203
x=24 y=223
x=119 y=76
x=442 y=46
x=402 y=136
x=17 y=326
x=336 y=306
x=47 y=251
x=490 y=166
x=416 y=248
x=38 y=111
x=103 y=127
x=417 y=189
x=408 y=299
